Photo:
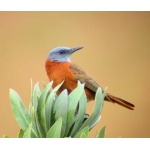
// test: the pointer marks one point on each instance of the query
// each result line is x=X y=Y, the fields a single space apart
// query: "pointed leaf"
x=35 y=96
x=97 y=110
x=55 y=130
x=95 y=122
x=41 y=108
x=33 y=107
x=21 y=133
x=27 y=133
x=48 y=109
x=49 y=105
x=61 y=108
x=102 y=132
x=80 y=115
x=21 y=114
x=40 y=132
x=83 y=133
x=37 y=131
x=34 y=125
x=74 y=98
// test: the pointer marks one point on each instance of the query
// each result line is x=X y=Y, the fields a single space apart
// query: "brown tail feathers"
x=119 y=101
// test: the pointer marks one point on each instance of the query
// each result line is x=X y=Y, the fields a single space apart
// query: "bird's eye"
x=62 y=52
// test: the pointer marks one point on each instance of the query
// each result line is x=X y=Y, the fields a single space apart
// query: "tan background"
x=116 y=55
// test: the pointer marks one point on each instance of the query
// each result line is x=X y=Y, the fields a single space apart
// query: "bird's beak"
x=75 y=49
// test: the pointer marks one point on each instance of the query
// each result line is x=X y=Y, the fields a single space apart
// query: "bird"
x=59 y=68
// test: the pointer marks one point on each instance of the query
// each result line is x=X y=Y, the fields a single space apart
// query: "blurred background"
x=116 y=54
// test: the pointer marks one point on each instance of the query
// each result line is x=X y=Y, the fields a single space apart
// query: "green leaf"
x=41 y=108
x=21 y=133
x=95 y=122
x=55 y=116
x=61 y=108
x=55 y=130
x=21 y=114
x=38 y=126
x=80 y=115
x=35 y=96
x=33 y=110
x=34 y=132
x=83 y=133
x=97 y=110
x=49 y=106
x=74 y=98
x=27 y=132
x=102 y=132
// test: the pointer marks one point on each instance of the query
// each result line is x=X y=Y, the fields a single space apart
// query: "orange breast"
x=58 y=72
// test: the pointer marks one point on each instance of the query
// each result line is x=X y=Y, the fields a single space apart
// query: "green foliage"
x=82 y=133
x=102 y=132
x=21 y=114
x=55 y=130
x=52 y=116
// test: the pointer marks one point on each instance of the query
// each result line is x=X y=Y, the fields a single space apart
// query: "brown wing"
x=93 y=86
x=80 y=75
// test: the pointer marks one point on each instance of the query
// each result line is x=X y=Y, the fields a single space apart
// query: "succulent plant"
x=56 y=116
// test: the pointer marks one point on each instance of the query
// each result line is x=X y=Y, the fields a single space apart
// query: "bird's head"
x=62 y=54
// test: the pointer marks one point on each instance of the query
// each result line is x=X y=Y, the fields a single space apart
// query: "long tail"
x=119 y=101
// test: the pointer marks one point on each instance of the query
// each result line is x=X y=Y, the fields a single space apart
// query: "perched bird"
x=59 y=67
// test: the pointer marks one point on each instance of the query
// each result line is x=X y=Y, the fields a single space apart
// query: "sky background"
x=116 y=54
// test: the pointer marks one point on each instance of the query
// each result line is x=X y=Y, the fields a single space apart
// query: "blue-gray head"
x=62 y=54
